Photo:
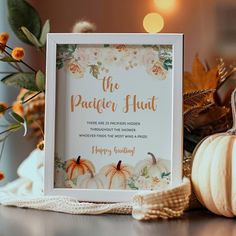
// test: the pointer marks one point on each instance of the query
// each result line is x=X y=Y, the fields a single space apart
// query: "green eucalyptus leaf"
x=21 y=13
x=25 y=128
x=20 y=120
x=66 y=48
x=45 y=31
x=17 y=117
x=165 y=174
x=59 y=63
x=40 y=80
x=22 y=79
x=31 y=37
x=167 y=64
x=8 y=59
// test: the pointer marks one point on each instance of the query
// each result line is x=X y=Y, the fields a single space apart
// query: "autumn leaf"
x=198 y=98
x=197 y=117
x=200 y=78
x=191 y=116
x=218 y=125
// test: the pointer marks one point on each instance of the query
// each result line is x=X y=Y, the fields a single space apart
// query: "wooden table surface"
x=27 y=222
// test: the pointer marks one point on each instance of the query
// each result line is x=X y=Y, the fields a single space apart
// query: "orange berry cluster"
x=2 y=176
x=17 y=53
x=3 y=40
x=3 y=107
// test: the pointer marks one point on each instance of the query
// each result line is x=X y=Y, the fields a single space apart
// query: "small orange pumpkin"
x=76 y=167
x=117 y=175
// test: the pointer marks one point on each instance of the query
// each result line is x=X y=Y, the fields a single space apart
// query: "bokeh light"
x=153 y=22
x=165 y=4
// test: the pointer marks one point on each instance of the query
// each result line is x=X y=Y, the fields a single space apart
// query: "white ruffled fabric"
x=27 y=192
x=30 y=181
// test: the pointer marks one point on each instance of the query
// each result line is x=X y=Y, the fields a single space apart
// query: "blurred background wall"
x=209 y=26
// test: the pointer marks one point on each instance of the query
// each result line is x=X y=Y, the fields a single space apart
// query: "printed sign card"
x=114 y=116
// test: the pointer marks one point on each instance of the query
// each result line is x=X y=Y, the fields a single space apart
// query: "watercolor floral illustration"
x=97 y=59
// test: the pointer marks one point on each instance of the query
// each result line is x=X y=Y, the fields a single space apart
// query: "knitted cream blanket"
x=27 y=192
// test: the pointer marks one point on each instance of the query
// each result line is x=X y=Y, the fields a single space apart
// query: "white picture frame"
x=54 y=91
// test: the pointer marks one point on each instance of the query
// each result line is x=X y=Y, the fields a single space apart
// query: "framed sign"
x=113 y=114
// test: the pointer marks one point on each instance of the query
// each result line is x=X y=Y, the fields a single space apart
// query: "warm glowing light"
x=165 y=4
x=153 y=22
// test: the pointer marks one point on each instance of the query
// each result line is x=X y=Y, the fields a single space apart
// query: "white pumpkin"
x=154 y=166
x=90 y=181
x=214 y=171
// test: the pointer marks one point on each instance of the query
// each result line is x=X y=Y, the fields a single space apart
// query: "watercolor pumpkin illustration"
x=153 y=166
x=77 y=167
x=90 y=181
x=117 y=175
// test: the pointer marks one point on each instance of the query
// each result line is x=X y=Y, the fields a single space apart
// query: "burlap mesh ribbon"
x=166 y=204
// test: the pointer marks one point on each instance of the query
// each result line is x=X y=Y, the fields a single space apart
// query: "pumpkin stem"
x=154 y=160
x=78 y=160
x=233 y=105
x=118 y=165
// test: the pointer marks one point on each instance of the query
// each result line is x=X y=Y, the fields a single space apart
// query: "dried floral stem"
x=3 y=141
x=6 y=72
x=13 y=66
x=3 y=126
x=6 y=46
x=35 y=95
x=10 y=129
x=18 y=67
x=3 y=145
x=28 y=66
x=25 y=101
